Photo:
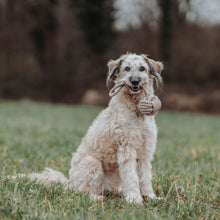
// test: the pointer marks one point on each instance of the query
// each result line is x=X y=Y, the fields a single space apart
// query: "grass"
x=33 y=136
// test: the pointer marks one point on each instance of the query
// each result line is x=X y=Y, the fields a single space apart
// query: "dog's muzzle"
x=135 y=81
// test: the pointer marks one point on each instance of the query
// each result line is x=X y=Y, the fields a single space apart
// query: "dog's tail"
x=48 y=176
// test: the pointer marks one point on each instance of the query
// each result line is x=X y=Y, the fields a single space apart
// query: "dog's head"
x=134 y=71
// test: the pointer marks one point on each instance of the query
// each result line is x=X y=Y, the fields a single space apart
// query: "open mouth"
x=134 y=88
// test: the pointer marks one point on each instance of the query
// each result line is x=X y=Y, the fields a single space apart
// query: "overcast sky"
x=132 y=12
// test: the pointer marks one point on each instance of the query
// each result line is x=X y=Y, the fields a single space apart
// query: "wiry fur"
x=117 y=150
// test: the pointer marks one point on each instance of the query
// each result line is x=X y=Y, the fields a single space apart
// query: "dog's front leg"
x=128 y=173
x=145 y=178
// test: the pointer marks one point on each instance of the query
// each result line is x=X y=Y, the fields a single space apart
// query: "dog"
x=116 y=153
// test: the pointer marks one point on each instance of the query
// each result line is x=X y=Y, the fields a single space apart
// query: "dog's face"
x=134 y=71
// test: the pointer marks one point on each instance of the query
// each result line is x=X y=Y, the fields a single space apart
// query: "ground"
x=186 y=165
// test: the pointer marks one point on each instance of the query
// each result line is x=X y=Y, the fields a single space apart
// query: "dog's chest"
x=137 y=127
x=142 y=136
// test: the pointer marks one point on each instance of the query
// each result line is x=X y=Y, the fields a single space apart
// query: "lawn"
x=186 y=165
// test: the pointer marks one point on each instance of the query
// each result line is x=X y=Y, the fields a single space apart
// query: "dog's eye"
x=127 y=68
x=142 y=68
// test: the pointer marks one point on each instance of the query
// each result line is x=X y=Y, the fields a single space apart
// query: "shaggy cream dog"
x=117 y=150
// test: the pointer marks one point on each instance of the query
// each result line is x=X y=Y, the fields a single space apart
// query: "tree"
x=43 y=28
x=96 y=22
x=166 y=29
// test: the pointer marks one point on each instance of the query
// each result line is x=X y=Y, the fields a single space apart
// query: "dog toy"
x=146 y=106
x=116 y=89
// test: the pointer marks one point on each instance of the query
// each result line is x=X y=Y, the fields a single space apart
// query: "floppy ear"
x=155 y=69
x=113 y=69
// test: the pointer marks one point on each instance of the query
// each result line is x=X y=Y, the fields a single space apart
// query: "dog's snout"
x=135 y=80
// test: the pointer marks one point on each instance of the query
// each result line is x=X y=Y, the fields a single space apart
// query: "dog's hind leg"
x=87 y=175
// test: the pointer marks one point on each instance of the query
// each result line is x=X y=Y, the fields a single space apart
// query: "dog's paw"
x=150 y=195
x=134 y=199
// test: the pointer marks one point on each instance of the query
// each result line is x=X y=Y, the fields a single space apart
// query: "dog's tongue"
x=116 y=89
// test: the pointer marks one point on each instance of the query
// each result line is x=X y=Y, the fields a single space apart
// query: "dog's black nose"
x=135 y=80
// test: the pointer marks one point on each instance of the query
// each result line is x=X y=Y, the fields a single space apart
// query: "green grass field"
x=33 y=136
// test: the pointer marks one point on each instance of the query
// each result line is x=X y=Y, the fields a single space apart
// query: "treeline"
x=55 y=50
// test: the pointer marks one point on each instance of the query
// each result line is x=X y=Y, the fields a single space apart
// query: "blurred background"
x=57 y=50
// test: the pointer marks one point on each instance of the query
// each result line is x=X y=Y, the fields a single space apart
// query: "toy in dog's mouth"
x=134 y=89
